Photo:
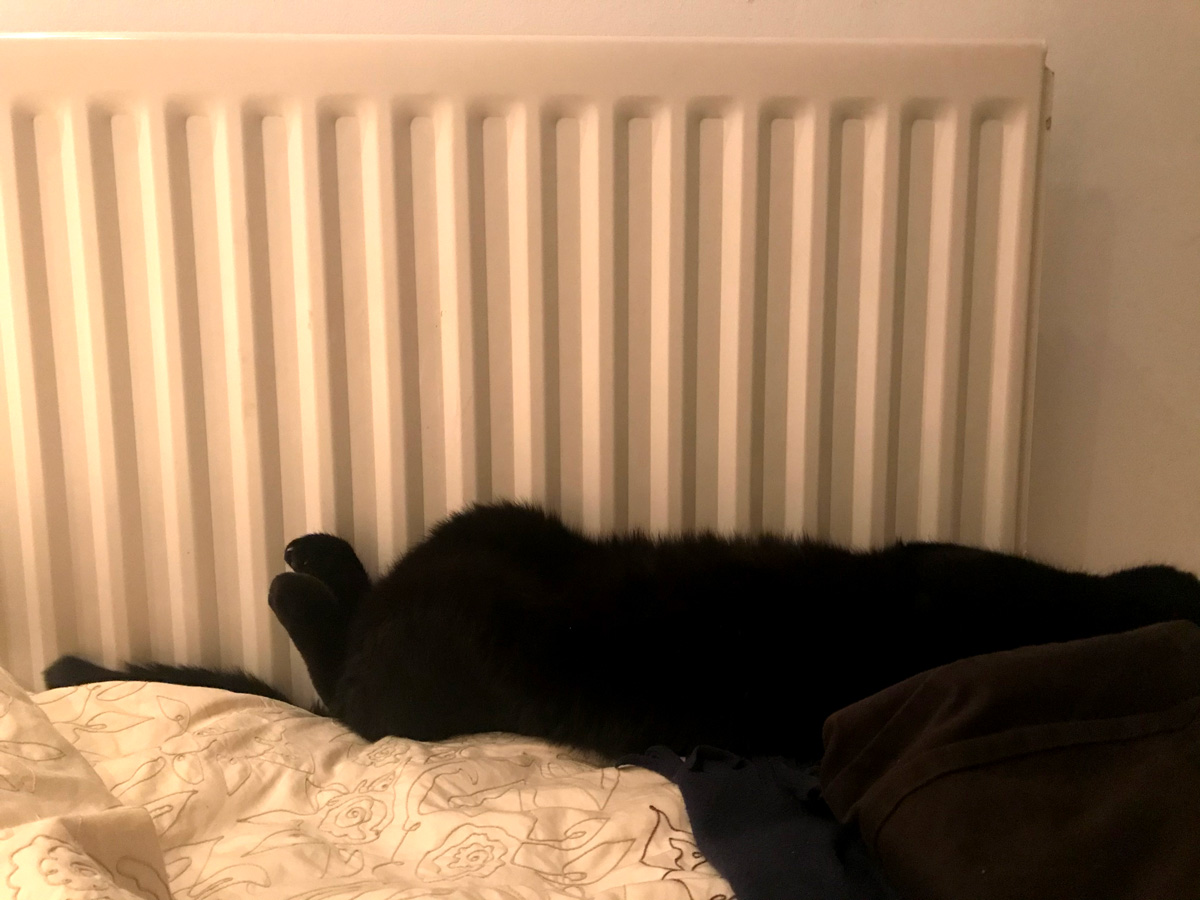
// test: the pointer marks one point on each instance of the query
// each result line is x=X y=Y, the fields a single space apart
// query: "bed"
x=1054 y=770
x=136 y=790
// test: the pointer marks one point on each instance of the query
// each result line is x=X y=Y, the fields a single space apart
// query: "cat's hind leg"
x=318 y=623
x=333 y=562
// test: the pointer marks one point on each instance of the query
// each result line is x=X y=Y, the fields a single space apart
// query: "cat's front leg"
x=318 y=624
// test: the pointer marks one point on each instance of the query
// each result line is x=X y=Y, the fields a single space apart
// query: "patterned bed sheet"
x=133 y=790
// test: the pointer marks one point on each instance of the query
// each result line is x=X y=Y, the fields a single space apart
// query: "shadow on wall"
x=1083 y=378
x=1076 y=280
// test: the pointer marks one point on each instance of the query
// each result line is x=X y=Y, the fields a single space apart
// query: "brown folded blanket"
x=1060 y=771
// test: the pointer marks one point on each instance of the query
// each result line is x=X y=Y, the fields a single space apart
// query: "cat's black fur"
x=69 y=670
x=504 y=619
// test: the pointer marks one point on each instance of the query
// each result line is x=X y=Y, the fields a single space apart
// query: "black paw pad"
x=315 y=554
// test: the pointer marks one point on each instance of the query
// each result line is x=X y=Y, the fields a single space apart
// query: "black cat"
x=504 y=619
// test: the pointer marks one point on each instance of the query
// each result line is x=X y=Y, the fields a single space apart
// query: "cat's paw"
x=304 y=602
x=330 y=560
x=317 y=553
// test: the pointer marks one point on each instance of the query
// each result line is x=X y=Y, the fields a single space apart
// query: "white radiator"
x=255 y=287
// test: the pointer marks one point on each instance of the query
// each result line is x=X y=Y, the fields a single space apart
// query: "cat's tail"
x=68 y=671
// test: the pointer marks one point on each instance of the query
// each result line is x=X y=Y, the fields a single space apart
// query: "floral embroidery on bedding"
x=62 y=833
x=250 y=797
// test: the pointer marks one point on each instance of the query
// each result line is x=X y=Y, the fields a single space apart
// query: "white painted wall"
x=1116 y=459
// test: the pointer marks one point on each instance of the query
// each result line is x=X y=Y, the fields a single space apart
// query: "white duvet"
x=135 y=790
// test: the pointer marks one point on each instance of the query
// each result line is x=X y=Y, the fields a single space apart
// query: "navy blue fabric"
x=763 y=825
